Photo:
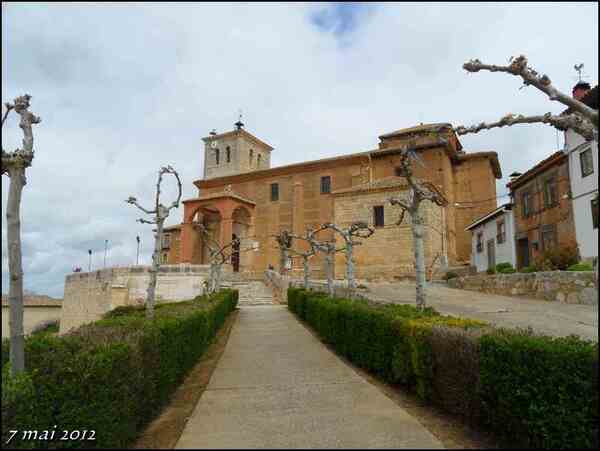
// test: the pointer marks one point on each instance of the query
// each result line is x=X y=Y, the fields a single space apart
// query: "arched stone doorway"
x=210 y=218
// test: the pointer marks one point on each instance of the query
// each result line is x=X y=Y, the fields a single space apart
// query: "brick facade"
x=545 y=220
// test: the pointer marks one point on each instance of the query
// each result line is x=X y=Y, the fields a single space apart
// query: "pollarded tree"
x=160 y=213
x=218 y=256
x=418 y=192
x=329 y=249
x=356 y=230
x=14 y=165
x=580 y=117
x=305 y=255
x=284 y=242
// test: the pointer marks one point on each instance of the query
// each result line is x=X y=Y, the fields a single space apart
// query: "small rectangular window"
x=501 y=232
x=480 y=242
x=548 y=237
x=378 y=214
x=526 y=200
x=587 y=162
x=326 y=184
x=274 y=192
x=595 y=213
x=550 y=192
x=166 y=240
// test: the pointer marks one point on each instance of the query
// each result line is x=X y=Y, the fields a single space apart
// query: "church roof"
x=418 y=129
x=240 y=131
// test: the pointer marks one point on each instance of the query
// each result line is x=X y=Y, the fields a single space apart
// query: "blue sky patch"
x=340 y=18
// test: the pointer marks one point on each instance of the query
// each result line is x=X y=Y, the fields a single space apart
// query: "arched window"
x=258 y=160
x=251 y=155
x=217 y=156
x=228 y=154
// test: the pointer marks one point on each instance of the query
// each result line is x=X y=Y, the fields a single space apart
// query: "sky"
x=124 y=89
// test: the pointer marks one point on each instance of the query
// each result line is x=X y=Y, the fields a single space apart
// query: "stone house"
x=583 y=174
x=543 y=212
x=493 y=239
x=240 y=195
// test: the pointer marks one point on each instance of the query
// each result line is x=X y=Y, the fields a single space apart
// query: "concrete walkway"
x=553 y=318
x=277 y=386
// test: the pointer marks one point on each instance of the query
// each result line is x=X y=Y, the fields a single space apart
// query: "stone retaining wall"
x=571 y=287
x=88 y=296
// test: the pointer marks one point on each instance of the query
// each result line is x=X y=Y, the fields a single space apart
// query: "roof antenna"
x=239 y=124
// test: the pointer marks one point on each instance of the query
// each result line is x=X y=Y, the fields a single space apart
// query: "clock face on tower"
x=214 y=144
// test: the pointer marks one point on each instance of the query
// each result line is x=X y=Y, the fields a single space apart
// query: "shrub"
x=112 y=376
x=46 y=327
x=491 y=271
x=450 y=275
x=505 y=268
x=528 y=269
x=580 y=267
x=535 y=391
x=539 y=389
x=557 y=258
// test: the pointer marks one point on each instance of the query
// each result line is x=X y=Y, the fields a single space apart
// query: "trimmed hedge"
x=112 y=376
x=534 y=391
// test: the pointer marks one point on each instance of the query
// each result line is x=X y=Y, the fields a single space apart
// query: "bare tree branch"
x=574 y=121
x=518 y=66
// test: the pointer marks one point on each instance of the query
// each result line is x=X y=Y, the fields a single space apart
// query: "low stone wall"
x=88 y=296
x=571 y=287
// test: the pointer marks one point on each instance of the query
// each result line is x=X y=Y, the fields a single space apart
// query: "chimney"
x=580 y=90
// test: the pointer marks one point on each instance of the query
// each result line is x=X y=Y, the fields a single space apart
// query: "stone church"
x=241 y=195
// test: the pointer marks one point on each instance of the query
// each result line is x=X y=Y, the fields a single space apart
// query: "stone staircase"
x=252 y=292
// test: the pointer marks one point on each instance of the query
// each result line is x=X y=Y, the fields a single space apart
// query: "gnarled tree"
x=418 y=192
x=328 y=248
x=284 y=242
x=579 y=117
x=14 y=165
x=305 y=255
x=160 y=213
x=356 y=230
x=218 y=256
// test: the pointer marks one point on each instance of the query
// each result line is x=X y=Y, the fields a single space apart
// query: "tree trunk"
x=154 y=270
x=350 y=267
x=282 y=261
x=218 y=278
x=15 y=293
x=417 y=230
x=329 y=273
x=212 y=278
x=306 y=271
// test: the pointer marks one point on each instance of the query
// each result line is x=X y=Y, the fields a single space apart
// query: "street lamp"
x=137 y=257
x=105 y=249
x=90 y=264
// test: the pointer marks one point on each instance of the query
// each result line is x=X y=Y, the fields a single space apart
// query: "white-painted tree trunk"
x=15 y=291
x=306 y=270
x=350 y=266
x=151 y=297
x=329 y=272
x=417 y=230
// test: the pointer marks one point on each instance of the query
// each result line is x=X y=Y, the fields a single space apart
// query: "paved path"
x=277 y=386
x=553 y=318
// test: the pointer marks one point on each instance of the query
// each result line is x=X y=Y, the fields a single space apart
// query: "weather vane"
x=579 y=69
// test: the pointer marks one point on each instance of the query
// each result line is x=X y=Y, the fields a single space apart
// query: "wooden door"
x=491 y=254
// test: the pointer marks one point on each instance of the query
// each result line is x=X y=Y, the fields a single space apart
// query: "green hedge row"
x=535 y=391
x=112 y=376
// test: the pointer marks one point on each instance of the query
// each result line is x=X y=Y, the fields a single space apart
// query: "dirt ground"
x=165 y=430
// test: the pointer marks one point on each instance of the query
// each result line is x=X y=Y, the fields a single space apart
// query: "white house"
x=493 y=239
x=583 y=174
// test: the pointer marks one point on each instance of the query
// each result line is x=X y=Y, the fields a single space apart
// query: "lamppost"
x=137 y=256
x=105 y=249
x=90 y=264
